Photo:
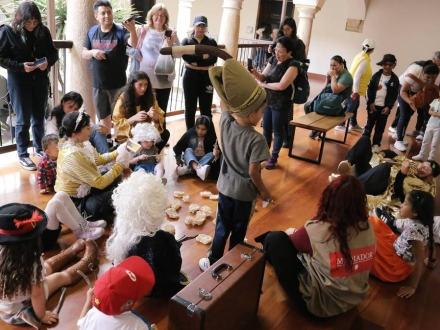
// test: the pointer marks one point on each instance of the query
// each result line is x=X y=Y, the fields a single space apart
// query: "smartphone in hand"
x=168 y=33
x=249 y=64
x=134 y=17
x=38 y=62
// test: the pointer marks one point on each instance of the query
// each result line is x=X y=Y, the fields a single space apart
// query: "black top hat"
x=200 y=20
x=21 y=222
x=387 y=58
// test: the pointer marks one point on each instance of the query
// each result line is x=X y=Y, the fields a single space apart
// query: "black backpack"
x=301 y=86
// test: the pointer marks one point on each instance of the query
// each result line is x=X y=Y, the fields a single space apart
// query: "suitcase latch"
x=246 y=256
x=205 y=294
x=190 y=309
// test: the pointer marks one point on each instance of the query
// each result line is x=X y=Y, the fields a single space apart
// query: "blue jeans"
x=274 y=121
x=233 y=217
x=353 y=106
x=405 y=115
x=148 y=168
x=29 y=100
x=190 y=156
x=98 y=140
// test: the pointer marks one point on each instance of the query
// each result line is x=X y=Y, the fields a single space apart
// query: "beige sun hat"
x=237 y=87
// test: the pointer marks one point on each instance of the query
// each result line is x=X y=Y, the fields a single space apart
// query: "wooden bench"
x=322 y=124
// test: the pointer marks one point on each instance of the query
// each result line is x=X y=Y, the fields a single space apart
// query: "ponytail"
x=340 y=60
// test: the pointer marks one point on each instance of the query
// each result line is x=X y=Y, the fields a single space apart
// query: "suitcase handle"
x=217 y=270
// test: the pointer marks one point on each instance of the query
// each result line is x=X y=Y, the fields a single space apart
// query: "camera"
x=168 y=33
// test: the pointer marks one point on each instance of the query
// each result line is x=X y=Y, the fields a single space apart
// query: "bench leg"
x=345 y=135
x=310 y=160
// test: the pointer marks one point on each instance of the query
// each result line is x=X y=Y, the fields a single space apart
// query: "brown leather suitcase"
x=226 y=296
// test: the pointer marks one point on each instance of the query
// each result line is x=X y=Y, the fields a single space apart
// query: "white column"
x=79 y=74
x=306 y=16
x=184 y=18
x=230 y=26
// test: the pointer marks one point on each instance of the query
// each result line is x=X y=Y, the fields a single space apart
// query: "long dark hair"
x=343 y=205
x=290 y=22
x=423 y=205
x=17 y=267
x=129 y=101
x=26 y=10
x=58 y=111
x=210 y=136
x=69 y=124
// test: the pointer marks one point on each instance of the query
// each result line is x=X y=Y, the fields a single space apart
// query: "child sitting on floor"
x=199 y=148
x=47 y=166
x=147 y=157
x=109 y=304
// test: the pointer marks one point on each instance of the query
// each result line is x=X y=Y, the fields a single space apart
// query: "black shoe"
x=286 y=142
x=39 y=154
x=314 y=135
x=27 y=163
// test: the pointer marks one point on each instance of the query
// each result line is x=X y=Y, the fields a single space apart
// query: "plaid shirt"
x=46 y=172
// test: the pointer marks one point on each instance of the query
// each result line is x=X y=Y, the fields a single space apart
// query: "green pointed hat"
x=237 y=87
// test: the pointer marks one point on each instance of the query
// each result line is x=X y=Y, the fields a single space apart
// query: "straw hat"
x=237 y=87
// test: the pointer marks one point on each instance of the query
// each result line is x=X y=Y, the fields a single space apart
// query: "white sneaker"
x=340 y=128
x=204 y=264
x=394 y=136
x=392 y=129
x=399 y=145
x=183 y=170
x=356 y=128
x=96 y=224
x=420 y=137
x=85 y=232
x=375 y=149
x=419 y=157
x=202 y=172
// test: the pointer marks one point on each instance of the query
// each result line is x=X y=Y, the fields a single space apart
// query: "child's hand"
x=406 y=291
x=373 y=107
x=49 y=318
x=158 y=158
x=405 y=167
x=90 y=293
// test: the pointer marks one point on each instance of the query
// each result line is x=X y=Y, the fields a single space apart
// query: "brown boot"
x=90 y=258
x=64 y=257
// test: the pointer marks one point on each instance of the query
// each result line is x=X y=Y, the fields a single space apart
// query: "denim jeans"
x=233 y=217
x=353 y=106
x=405 y=115
x=29 y=100
x=378 y=121
x=98 y=140
x=190 y=156
x=274 y=121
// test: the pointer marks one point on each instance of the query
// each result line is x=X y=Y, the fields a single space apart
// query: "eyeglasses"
x=160 y=15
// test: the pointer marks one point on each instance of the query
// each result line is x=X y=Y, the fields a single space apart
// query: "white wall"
x=213 y=10
x=405 y=28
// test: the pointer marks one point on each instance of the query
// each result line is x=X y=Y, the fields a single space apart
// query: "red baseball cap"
x=120 y=287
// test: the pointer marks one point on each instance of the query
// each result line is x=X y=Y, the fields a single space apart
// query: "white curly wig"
x=140 y=202
x=145 y=132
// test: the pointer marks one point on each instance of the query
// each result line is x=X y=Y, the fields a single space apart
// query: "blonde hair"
x=139 y=203
x=154 y=10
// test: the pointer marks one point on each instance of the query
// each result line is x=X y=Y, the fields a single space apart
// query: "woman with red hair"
x=324 y=266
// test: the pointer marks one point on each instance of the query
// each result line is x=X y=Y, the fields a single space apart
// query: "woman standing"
x=77 y=168
x=21 y=44
x=277 y=79
x=196 y=82
x=329 y=259
x=151 y=37
x=136 y=104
